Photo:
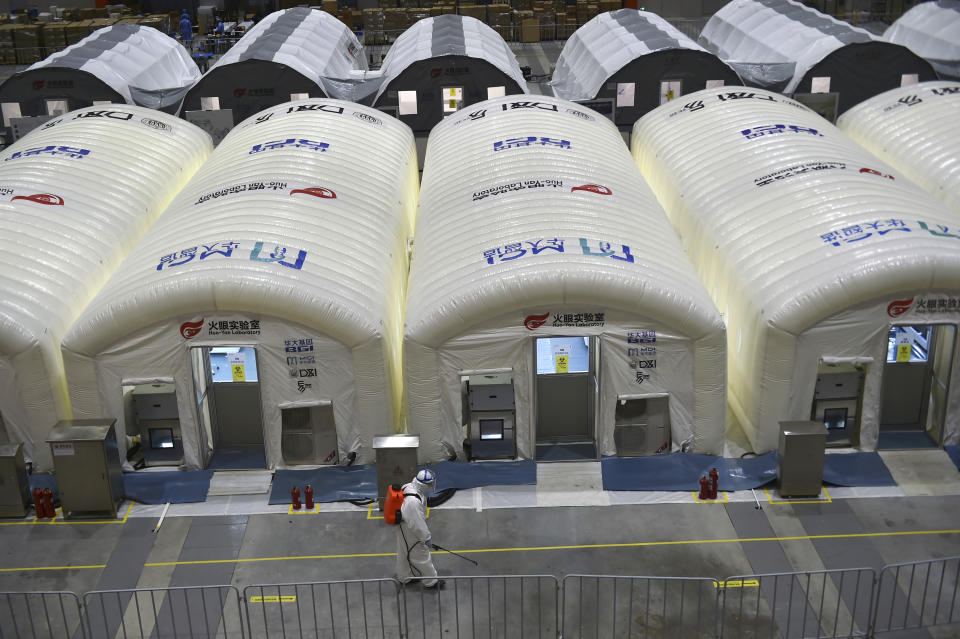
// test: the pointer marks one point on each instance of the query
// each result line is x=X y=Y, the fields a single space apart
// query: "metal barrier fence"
x=483 y=607
x=917 y=595
x=158 y=613
x=39 y=615
x=818 y=604
x=359 y=608
x=823 y=604
x=596 y=606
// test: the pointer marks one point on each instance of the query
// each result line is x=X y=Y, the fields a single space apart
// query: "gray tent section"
x=931 y=30
x=443 y=64
x=291 y=54
x=124 y=63
x=783 y=45
x=637 y=59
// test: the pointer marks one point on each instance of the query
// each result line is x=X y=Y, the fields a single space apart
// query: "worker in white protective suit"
x=413 y=536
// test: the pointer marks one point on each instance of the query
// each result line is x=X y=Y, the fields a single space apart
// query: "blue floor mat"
x=331 y=483
x=856 y=469
x=338 y=483
x=901 y=440
x=682 y=471
x=174 y=487
x=954 y=452
x=238 y=459
x=566 y=452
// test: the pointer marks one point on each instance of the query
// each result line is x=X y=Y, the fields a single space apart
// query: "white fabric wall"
x=146 y=59
x=603 y=46
x=319 y=47
x=329 y=189
x=793 y=227
x=760 y=32
x=932 y=31
x=915 y=129
x=561 y=174
x=75 y=196
x=479 y=41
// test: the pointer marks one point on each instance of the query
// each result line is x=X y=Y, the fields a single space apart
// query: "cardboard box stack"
x=500 y=19
x=529 y=28
x=417 y=14
x=544 y=12
x=478 y=11
x=330 y=6
x=74 y=32
x=28 y=40
x=394 y=22
x=7 y=53
x=54 y=38
x=373 y=26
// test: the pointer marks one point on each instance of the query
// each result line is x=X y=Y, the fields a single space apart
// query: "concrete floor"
x=565 y=525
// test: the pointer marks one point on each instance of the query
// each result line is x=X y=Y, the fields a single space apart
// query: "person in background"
x=219 y=30
x=186 y=30
x=413 y=536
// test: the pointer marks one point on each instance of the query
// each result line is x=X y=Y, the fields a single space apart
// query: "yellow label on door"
x=238 y=373
x=563 y=363
x=903 y=352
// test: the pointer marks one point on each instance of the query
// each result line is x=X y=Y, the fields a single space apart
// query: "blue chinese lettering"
x=278 y=255
x=606 y=250
x=218 y=248
x=173 y=259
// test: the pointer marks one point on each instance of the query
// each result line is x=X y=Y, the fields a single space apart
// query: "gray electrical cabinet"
x=86 y=461
x=800 y=460
x=14 y=484
x=396 y=461
x=158 y=421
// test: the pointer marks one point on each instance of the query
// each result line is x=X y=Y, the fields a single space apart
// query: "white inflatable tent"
x=638 y=60
x=290 y=54
x=123 y=63
x=932 y=31
x=821 y=258
x=783 y=45
x=288 y=250
x=76 y=195
x=443 y=64
x=537 y=235
x=915 y=129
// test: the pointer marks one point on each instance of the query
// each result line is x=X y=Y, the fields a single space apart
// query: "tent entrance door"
x=229 y=406
x=916 y=377
x=565 y=398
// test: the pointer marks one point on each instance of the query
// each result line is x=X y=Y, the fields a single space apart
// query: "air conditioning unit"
x=642 y=425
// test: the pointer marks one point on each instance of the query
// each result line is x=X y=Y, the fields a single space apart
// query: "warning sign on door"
x=561 y=358
x=904 y=347
x=237 y=363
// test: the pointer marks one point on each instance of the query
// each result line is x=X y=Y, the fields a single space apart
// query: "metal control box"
x=396 y=461
x=155 y=401
x=800 y=459
x=14 y=483
x=86 y=461
x=491 y=417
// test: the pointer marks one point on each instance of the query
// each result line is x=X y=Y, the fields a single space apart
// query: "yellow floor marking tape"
x=828 y=500
x=57 y=519
x=304 y=511
x=370 y=514
x=274 y=599
x=696 y=498
x=633 y=544
x=737 y=583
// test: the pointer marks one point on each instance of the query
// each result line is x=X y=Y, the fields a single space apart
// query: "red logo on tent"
x=533 y=322
x=592 y=188
x=40 y=198
x=316 y=191
x=896 y=308
x=37 y=85
x=434 y=73
x=875 y=172
x=238 y=93
x=189 y=330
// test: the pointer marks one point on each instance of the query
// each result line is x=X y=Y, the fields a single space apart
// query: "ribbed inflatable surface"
x=299 y=219
x=603 y=45
x=916 y=129
x=932 y=31
x=790 y=222
x=75 y=196
x=129 y=55
x=532 y=207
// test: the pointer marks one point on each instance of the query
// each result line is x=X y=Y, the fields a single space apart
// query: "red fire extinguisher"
x=295 y=497
x=714 y=482
x=308 y=497
x=48 y=509
x=704 y=489
x=38 y=503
